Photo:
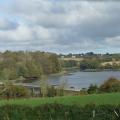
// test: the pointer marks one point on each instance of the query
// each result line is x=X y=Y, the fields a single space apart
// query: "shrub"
x=59 y=112
x=111 y=85
x=11 y=91
x=92 y=89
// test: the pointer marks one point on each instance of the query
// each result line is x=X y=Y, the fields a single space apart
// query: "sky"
x=61 y=26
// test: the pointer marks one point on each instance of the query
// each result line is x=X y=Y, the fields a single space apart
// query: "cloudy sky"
x=61 y=26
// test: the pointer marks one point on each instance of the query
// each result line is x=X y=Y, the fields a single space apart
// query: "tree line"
x=14 y=65
x=88 y=64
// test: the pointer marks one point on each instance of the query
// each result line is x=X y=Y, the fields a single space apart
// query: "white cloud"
x=6 y=24
x=64 y=25
x=22 y=33
x=113 y=41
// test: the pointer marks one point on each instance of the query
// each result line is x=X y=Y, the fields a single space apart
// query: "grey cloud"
x=62 y=26
x=7 y=24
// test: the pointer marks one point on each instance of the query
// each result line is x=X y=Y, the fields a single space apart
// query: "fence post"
x=93 y=114
x=50 y=117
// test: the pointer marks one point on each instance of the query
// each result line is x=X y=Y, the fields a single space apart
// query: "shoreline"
x=100 y=70
x=59 y=73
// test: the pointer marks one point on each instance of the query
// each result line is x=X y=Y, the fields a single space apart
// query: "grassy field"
x=98 y=99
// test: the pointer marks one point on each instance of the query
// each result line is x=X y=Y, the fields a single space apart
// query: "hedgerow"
x=60 y=112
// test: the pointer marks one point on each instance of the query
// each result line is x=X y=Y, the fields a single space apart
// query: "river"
x=78 y=80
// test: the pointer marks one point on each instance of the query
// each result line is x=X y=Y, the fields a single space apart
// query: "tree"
x=51 y=91
x=92 y=89
x=111 y=85
x=30 y=64
x=55 y=64
x=43 y=86
x=8 y=74
x=60 y=89
x=70 y=63
x=21 y=69
x=33 y=69
x=12 y=91
x=89 y=64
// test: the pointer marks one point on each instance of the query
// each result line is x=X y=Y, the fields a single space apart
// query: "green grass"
x=98 y=99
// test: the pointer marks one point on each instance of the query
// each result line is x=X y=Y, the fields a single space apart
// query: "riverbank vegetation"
x=34 y=65
x=11 y=91
x=19 y=65
x=91 y=62
x=98 y=65
x=109 y=86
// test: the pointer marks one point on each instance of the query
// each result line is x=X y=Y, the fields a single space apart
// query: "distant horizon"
x=58 y=53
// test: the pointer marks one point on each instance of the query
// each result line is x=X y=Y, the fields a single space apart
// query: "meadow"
x=97 y=99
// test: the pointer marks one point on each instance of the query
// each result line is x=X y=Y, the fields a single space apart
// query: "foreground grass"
x=98 y=99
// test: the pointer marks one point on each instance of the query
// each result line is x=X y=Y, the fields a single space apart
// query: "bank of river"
x=99 y=70
x=77 y=80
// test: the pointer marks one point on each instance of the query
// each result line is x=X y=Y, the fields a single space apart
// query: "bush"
x=51 y=91
x=92 y=89
x=11 y=91
x=59 y=112
x=111 y=85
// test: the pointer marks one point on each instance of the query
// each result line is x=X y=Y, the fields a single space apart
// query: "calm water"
x=78 y=80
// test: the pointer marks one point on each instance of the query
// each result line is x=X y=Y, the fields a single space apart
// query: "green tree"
x=8 y=74
x=54 y=63
x=89 y=64
x=43 y=86
x=12 y=91
x=111 y=85
x=92 y=89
